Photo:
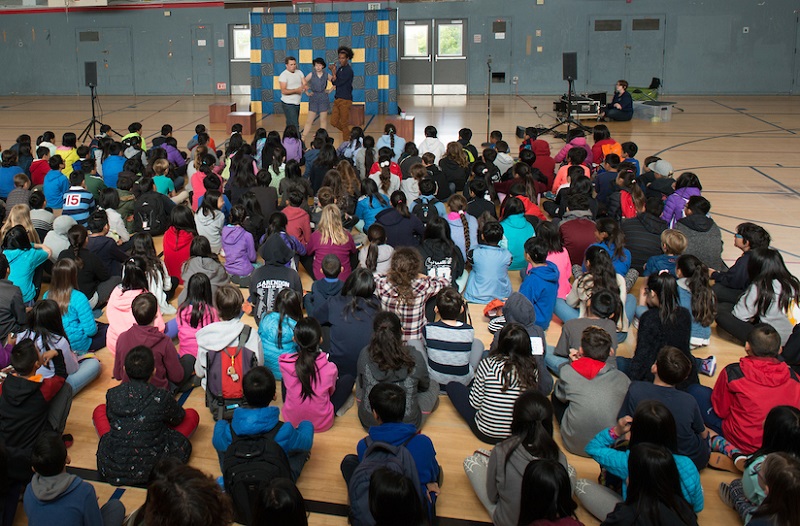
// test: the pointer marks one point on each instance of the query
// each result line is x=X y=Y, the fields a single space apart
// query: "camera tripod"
x=569 y=120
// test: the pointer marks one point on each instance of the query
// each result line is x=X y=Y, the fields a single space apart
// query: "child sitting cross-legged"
x=313 y=388
x=139 y=424
x=541 y=284
x=239 y=247
x=450 y=346
x=489 y=277
x=258 y=417
x=388 y=402
x=54 y=492
x=673 y=244
x=323 y=289
x=588 y=392
x=169 y=368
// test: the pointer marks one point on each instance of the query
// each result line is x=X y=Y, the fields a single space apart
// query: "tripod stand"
x=569 y=121
x=92 y=126
x=489 y=98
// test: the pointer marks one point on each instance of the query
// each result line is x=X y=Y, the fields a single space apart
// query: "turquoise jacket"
x=516 y=231
x=268 y=331
x=79 y=322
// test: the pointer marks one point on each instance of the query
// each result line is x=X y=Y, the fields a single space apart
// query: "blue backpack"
x=378 y=455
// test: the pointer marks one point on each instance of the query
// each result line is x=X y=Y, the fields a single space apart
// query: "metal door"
x=627 y=47
x=202 y=60
x=433 y=57
x=415 y=70
x=110 y=49
x=450 y=58
x=239 y=37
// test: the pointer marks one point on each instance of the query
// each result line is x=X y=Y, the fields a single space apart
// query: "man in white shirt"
x=293 y=85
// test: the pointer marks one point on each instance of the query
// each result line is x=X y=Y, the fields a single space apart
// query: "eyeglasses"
x=738 y=236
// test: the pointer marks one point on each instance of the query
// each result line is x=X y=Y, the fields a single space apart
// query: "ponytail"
x=307 y=334
x=704 y=301
x=386 y=176
x=371 y=262
x=376 y=235
x=465 y=224
x=77 y=236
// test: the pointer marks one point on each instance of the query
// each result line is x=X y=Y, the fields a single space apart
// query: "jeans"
x=702 y=394
x=292 y=113
x=88 y=370
x=564 y=311
x=618 y=115
x=553 y=361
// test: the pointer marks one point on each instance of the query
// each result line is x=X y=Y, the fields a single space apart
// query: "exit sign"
x=222 y=86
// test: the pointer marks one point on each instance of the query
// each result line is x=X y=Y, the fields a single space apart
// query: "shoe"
x=347 y=405
x=739 y=462
x=725 y=494
x=722 y=462
x=708 y=366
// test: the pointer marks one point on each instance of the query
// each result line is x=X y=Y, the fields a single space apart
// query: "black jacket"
x=441 y=260
x=653 y=335
x=643 y=237
x=627 y=515
x=141 y=417
x=109 y=253
x=91 y=274
x=24 y=405
x=12 y=308
x=442 y=188
x=400 y=231
x=736 y=277
x=454 y=173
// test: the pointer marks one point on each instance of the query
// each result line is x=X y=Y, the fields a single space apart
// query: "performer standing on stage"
x=342 y=79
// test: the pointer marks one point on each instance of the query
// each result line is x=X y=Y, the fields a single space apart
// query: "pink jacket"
x=577 y=142
x=186 y=333
x=120 y=318
x=316 y=409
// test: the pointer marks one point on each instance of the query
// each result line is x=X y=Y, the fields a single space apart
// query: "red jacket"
x=576 y=235
x=39 y=169
x=176 y=245
x=544 y=161
x=746 y=391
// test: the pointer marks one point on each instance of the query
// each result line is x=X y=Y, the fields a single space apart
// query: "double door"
x=433 y=57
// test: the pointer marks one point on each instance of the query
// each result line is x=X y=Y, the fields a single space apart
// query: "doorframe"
x=232 y=60
x=210 y=46
x=79 y=62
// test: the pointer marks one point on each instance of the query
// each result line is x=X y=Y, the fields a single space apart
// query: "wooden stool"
x=218 y=112
x=357 y=115
x=404 y=125
x=246 y=118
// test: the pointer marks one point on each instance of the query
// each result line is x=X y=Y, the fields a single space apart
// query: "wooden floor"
x=746 y=151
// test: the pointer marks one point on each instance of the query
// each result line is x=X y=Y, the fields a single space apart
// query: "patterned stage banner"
x=371 y=34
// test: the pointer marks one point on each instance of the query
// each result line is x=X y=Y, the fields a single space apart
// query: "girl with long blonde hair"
x=20 y=215
x=330 y=238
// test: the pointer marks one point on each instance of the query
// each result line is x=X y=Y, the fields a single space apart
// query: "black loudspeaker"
x=569 y=65
x=520 y=132
x=90 y=73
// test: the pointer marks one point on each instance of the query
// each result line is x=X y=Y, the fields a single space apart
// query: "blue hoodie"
x=489 y=277
x=268 y=331
x=621 y=265
x=255 y=421
x=420 y=447
x=65 y=496
x=541 y=288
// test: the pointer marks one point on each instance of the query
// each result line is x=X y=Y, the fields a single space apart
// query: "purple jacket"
x=240 y=251
x=675 y=203
x=174 y=156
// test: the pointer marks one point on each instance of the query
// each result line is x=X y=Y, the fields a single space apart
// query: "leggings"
x=459 y=397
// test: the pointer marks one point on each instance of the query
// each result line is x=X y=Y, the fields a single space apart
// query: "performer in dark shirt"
x=342 y=79
x=621 y=107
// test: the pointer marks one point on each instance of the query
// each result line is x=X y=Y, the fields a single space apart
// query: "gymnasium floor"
x=746 y=151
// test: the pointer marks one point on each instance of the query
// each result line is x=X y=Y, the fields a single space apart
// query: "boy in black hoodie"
x=31 y=405
x=327 y=287
x=274 y=276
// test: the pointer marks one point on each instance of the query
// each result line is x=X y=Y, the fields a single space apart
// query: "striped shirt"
x=411 y=313
x=79 y=204
x=449 y=349
x=493 y=405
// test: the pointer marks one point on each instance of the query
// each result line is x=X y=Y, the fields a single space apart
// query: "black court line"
x=368 y=123
x=314 y=506
x=184 y=396
x=715 y=137
x=743 y=111
x=789 y=188
x=760 y=222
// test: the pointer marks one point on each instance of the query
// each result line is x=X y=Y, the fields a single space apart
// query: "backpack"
x=378 y=455
x=614 y=147
x=425 y=209
x=250 y=463
x=225 y=370
x=149 y=214
x=627 y=206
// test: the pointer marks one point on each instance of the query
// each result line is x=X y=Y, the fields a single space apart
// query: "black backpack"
x=425 y=209
x=149 y=214
x=250 y=463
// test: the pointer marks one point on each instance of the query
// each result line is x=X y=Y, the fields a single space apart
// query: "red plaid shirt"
x=411 y=313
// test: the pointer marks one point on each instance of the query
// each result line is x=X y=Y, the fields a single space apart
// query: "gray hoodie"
x=211 y=227
x=56 y=240
x=50 y=488
x=219 y=335
x=519 y=309
x=210 y=267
